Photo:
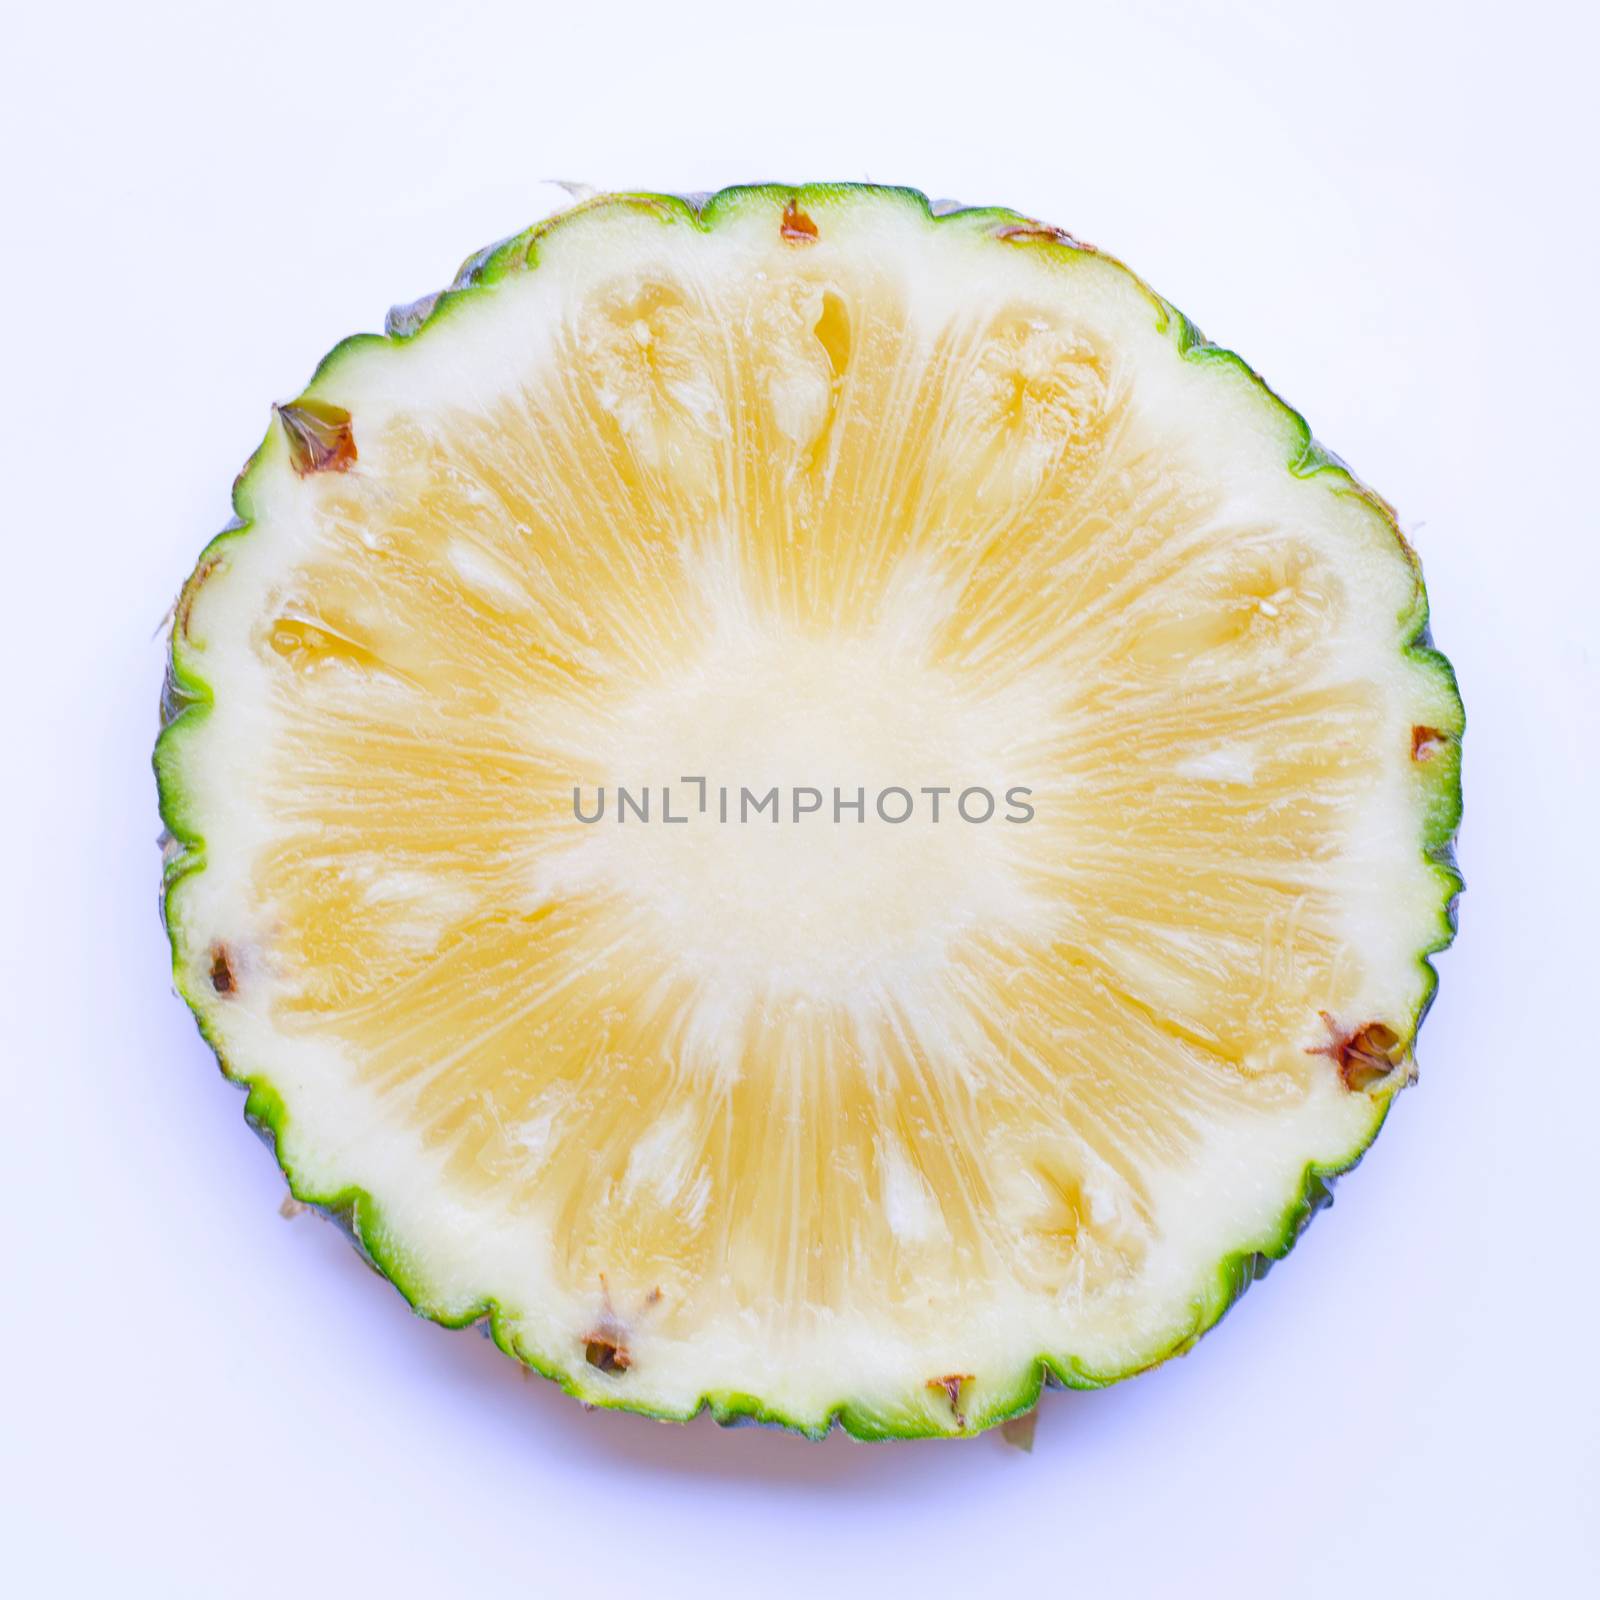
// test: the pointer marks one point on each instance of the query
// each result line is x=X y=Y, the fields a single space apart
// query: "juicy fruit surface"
x=818 y=1114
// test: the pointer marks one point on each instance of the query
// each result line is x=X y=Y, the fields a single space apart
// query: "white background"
x=1388 y=208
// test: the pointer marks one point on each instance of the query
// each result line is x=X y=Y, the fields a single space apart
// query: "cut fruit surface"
x=815 y=809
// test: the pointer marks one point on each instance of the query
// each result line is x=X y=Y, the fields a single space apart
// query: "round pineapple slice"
x=813 y=808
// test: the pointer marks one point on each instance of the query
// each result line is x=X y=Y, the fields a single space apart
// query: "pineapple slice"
x=814 y=809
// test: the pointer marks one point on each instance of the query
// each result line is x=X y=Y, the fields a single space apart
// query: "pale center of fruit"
x=844 y=813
